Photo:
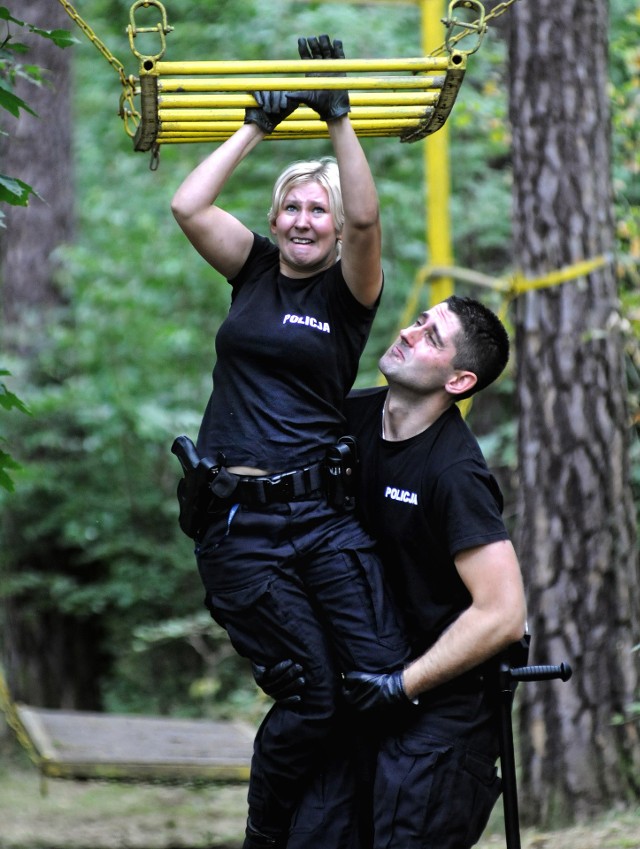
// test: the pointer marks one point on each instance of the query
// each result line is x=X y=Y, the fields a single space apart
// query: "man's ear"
x=461 y=381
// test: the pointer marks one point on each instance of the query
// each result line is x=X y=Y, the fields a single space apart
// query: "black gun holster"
x=204 y=482
x=341 y=463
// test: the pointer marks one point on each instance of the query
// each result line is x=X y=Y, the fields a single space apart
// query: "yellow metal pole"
x=436 y=165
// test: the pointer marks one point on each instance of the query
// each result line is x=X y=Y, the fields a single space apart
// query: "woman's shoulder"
x=263 y=256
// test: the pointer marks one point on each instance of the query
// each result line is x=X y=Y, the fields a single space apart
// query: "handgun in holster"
x=194 y=494
x=340 y=465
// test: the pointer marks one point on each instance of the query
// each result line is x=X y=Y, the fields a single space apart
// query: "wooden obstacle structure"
x=83 y=745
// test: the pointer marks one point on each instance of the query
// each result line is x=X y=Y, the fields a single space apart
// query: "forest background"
x=91 y=548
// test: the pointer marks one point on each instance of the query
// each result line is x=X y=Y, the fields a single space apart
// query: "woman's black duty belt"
x=274 y=489
x=206 y=486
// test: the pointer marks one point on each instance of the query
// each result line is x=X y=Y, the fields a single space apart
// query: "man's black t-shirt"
x=424 y=499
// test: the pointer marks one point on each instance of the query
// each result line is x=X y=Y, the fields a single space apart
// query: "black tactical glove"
x=330 y=103
x=284 y=682
x=369 y=691
x=273 y=107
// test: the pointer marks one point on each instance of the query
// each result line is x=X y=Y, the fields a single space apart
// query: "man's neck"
x=404 y=416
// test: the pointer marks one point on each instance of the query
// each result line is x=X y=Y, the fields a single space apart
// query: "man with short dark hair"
x=426 y=494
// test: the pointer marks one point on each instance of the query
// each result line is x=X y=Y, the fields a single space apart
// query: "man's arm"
x=495 y=619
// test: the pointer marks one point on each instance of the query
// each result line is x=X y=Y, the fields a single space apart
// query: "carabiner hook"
x=155 y=158
x=162 y=28
x=477 y=26
x=127 y=111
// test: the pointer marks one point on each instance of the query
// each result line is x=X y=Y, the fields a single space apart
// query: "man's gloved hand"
x=328 y=103
x=369 y=691
x=273 y=107
x=284 y=682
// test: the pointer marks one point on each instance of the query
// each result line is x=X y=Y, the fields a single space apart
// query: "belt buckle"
x=279 y=487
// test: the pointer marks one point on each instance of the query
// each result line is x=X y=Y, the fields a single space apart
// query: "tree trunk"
x=576 y=534
x=38 y=151
x=52 y=659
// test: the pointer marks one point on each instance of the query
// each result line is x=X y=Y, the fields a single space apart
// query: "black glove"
x=330 y=103
x=369 y=691
x=273 y=107
x=284 y=682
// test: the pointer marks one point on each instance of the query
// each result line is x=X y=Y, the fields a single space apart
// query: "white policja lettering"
x=308 y=321
x=401 y=495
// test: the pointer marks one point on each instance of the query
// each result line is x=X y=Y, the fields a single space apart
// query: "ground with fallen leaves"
x=94 y=815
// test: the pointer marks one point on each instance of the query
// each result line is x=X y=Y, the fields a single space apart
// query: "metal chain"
x=86 y=29
x=500 y=9
x=126 y=110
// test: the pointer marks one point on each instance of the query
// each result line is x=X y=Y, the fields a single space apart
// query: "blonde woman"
x=287 y=570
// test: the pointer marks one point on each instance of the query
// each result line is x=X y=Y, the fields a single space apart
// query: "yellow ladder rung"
x=362 y=112
x=248 y=84
x=369 y=132
x=411 y=65
x=243 y=100
x=230 y=126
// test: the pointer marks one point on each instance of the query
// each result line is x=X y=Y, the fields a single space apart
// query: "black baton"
x=508 y=678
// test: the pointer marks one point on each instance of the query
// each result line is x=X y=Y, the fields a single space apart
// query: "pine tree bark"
x=38 y=151
x=51 y=659
x=576 y=534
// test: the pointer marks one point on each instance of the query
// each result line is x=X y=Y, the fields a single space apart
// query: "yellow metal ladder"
x=205 y=101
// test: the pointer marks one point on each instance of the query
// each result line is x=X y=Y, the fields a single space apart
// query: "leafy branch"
x=8 y=401
x=13 y=190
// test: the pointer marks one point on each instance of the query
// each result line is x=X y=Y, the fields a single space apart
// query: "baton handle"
x=541 y=673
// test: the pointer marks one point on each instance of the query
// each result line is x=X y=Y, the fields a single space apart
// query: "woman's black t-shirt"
x=287 y=354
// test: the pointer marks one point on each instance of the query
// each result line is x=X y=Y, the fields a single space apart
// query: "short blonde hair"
x=322 y=171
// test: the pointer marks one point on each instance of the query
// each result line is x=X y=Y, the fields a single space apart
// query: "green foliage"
x=59 y=36
x=8 y=401
x=91 y=529
x=625 y=98
x=13 y=190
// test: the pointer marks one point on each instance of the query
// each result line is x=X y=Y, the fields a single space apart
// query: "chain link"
x=500 y=9
x=86 y=29
x=127 y=110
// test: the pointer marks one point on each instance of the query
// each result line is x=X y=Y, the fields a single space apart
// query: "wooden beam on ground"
x=84 y=745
